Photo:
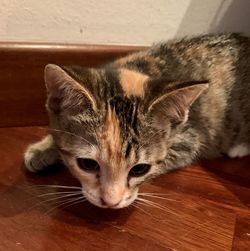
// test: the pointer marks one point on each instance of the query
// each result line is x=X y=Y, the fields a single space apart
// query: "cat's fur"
x=167 y=106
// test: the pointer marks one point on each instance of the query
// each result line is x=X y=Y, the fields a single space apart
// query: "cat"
x=146 y=114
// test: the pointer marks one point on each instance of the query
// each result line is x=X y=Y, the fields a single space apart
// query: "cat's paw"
x=239 y=151
x=40 y=155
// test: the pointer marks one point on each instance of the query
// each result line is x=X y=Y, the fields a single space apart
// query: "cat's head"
x=114 y=126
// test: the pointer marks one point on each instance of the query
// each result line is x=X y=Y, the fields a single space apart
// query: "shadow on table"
x=26 y=196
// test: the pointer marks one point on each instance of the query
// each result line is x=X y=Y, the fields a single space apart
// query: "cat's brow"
x=63 y=151
x=128 y=150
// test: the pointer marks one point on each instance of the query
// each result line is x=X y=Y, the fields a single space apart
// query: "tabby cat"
x=143 y=115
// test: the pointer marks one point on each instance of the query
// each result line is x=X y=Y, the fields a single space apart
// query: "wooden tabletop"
x=206 y=207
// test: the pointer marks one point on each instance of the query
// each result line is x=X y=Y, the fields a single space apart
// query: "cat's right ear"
x=64 y=92
x=174 y=107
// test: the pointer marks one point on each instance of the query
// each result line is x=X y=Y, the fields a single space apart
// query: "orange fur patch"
x=132 y=82
x=111 y=139
x=111 y=158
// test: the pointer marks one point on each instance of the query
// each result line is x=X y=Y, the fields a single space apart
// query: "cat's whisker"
x=147 y=203
x=157 y=194
x=149 y=214
x=62 y=200
x=151 y=205
x=68 y=203
x=55 y=199
x=49 y=188
x=157 y=197
x=59 y=193
x=59 y=186
x=141 y=209
x=156 y=205
x=72 y=134
x=33 y=190
x=54 y=194
x=62 y=196
x=76 y=202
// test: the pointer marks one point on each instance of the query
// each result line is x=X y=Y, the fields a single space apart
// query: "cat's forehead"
x=121 y=124
x=119 y=94
x=121 y=91
x=117 y=138
x=122 y=81
x=132 y=82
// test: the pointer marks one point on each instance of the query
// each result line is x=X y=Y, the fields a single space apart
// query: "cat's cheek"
x=128 y=200
x=134 y=183
x=88 y=179
x=90 y=183
x=92 y=195
x=70 y=163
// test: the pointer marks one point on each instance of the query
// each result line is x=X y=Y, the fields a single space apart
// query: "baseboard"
x=22 y=91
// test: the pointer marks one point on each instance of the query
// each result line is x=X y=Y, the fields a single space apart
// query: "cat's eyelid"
x=138 y=163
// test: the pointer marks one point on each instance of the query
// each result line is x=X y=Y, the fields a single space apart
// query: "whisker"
x=158 y=197
x=69 y=201
x=54 y=199
x=55 y=193
x=59 y=193
x=137 y=206
x=163 y=194
x=156 y=205
x=49 y=188
x=63 y=196
x=152 y=216
x=59 y=186
x=76 y=202
x=143 y=203
x=151 y=205
x=63 y=200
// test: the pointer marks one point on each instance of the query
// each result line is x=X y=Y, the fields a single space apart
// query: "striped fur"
x=166 y=106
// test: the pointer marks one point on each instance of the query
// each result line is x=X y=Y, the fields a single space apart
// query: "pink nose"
x=108 y=203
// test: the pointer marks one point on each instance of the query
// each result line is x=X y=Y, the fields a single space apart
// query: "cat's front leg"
x=40 y=155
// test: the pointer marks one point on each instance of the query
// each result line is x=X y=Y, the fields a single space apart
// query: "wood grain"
x=22 y=90
x=209 y=208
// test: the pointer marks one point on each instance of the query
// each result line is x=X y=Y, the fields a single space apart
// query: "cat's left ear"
x=173 y=107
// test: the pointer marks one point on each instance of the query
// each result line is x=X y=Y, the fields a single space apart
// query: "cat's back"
x=190 y=58
x=222 y=112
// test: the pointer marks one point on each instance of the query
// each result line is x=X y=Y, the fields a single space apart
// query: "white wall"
x=137 y=22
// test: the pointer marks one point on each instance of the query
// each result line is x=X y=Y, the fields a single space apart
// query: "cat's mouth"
x=97 y=201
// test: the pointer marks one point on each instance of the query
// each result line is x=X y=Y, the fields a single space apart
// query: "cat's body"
x=164 y=108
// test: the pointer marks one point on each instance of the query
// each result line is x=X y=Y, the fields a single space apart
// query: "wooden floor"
x=209 y=208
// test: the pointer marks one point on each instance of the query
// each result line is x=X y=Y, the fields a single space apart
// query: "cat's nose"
x=109 y=203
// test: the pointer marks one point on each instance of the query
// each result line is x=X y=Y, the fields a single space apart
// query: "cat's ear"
x=64 y=92
x=173 y=107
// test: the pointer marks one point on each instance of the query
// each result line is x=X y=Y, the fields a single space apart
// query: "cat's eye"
x=88 y=165
x=139 y=170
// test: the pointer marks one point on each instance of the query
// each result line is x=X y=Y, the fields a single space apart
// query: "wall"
x=137 y=22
